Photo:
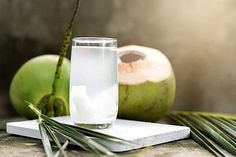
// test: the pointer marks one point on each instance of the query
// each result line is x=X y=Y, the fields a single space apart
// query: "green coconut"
x=146 y=83
x=33 y=83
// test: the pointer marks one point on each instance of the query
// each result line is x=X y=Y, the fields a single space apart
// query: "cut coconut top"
x=138 y=64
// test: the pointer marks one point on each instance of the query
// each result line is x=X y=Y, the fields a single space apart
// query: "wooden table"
x=16 y=146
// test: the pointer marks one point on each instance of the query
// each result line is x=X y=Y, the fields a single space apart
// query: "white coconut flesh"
x=138 y=64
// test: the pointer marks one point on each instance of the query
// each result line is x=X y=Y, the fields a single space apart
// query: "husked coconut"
x=146 y=83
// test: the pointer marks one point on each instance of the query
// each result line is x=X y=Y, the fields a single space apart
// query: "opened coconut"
x=146 y=83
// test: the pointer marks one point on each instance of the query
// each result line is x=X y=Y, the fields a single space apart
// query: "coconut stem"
x=63 y=52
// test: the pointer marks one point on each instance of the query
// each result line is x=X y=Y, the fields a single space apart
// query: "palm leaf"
x=98 y=135
x=62 y=148
x=229 y=122
x=213 y=131
x=55 y=139
x=45 y=141
x=79 y=136
x=198 y=136
x=223 y=125
x=67 y=131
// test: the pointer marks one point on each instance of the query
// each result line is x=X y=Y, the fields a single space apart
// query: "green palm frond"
x=213 y=131
x=51 y=129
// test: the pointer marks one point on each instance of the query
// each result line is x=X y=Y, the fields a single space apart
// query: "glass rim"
x=94 y=39
x=94 y=42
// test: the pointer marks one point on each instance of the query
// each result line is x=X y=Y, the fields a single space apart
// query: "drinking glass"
x=93 y=82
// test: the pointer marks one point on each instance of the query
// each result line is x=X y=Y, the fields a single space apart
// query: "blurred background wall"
x=198 y=36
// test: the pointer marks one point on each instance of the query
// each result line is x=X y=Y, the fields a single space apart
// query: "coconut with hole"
x=146 y=83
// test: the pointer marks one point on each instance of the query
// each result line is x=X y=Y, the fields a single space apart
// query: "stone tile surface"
x=16 y=146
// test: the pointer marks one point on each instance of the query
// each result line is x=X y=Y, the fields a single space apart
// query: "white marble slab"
x=142 y=134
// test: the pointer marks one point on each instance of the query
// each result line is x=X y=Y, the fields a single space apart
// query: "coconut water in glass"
x=93 y=82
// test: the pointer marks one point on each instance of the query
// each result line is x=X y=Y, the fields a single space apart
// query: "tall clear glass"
x=93 y=82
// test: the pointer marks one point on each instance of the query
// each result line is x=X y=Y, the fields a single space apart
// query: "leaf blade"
x=45 y=141
x=55 y=139
x=222 y=136
x=199 y=137
x=72 y=134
